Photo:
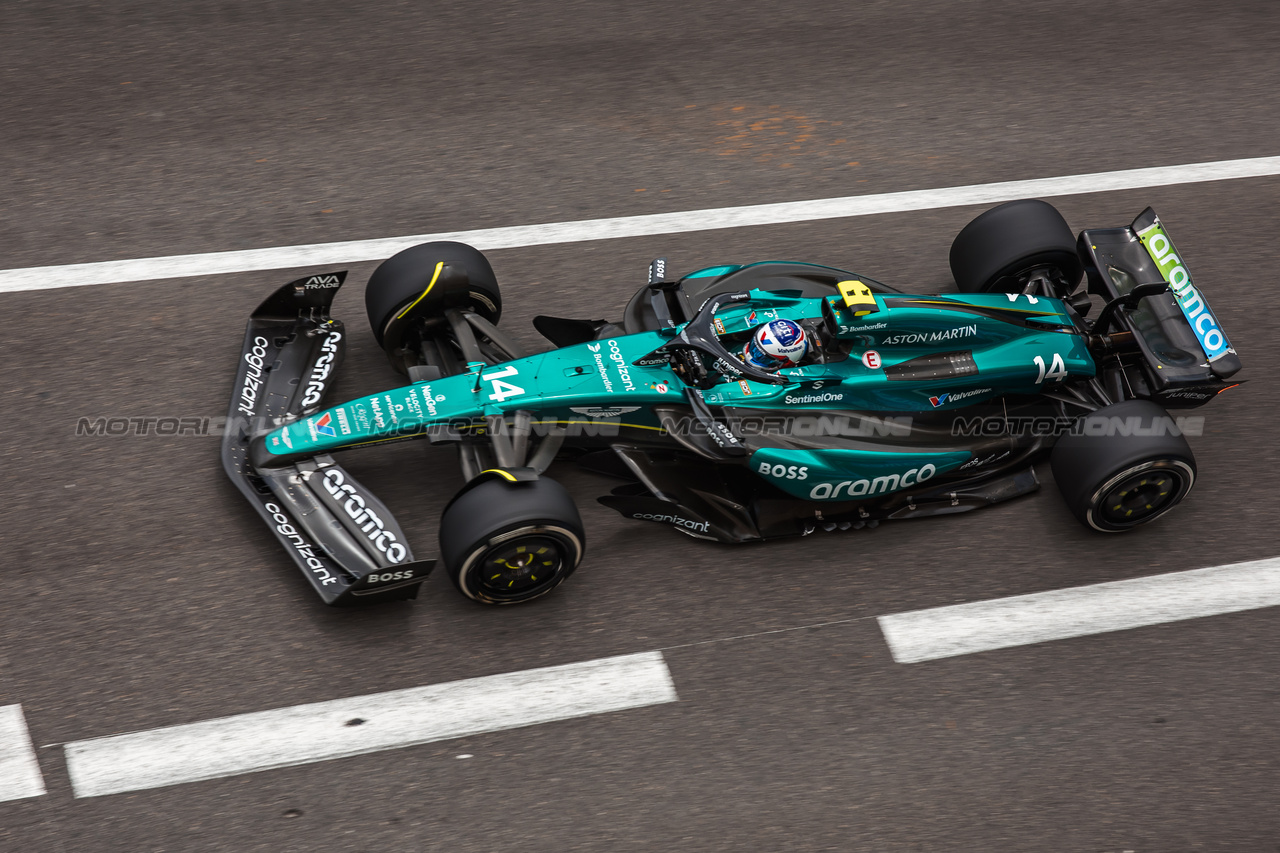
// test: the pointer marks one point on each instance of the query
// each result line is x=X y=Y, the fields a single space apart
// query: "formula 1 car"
x=903 y=406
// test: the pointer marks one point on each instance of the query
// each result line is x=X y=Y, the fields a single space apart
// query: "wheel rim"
x=1140 y=494
x=520 y=566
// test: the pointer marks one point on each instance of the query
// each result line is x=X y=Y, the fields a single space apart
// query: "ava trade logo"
x=939 y=400
x=323 y=426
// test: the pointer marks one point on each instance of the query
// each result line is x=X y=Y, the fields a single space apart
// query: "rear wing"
x=344 y=539
x=1187 y=354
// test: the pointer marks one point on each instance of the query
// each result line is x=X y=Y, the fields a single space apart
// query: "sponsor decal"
x=430 y=400
x=701 y=526
x=300 y=544
x=874 y=486
x=322 y=282
x=726 y=368
x=656 y=360
x=746 y=386
x=601 y=367
x=320 y=372
x=865 y=327
x=661 y=387
x=383 y=577
x=253 y=376
x=785 y=472
x=379 y=419
x=824 y=397
x=370 y=524
x=284 y=436
x=719 y=325
x=982 y=463
x=603 y=411
x=871 y=359
x=1194 y=308
x=659 y=269
x=956 y=396
x=323 y=425
x=932 y=337
x=343 y=424
x=361 y=416
x=1191 y=394
x=620 y=364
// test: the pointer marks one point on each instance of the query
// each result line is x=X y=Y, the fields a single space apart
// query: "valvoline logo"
x=939 y=400
x=323 y=426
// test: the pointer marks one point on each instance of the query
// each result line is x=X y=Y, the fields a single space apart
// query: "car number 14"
x=503 y=390
x=1057 y=369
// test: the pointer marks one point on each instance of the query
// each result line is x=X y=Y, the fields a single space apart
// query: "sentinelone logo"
x=1093 y=425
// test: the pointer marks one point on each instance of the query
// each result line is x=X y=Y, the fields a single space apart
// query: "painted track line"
x=19 y=771
x=981 y=626
x=318 y=732
x=329 y=254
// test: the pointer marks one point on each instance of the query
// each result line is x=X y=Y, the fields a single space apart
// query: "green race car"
x=735 y=403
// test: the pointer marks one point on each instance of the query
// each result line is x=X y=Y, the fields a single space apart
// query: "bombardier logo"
x=370 y=524
x=320 y=372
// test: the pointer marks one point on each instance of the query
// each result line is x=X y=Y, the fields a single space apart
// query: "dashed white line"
x=343 y=727
x=19 y=771
x=331 y=254
x=981 y=626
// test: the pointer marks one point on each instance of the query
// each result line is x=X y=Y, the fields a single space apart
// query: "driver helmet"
x=775 y=345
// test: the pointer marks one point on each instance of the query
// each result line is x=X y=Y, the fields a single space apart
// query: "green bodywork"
x=1018 y=344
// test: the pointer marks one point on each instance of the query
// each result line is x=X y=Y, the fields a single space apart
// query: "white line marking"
x=318 y=732
x=964 y=629
x=332 y=254
x=19 y=771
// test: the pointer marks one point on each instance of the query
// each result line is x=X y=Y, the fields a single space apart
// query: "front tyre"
x=414 y=283
x=504 y=543
x=1126 y=467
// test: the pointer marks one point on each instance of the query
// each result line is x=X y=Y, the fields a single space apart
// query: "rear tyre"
x=504 y=543
x=406 y=286
x=997 y=252
x=1114 y=481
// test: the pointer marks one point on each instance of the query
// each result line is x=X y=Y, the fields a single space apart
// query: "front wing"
x=344 y=539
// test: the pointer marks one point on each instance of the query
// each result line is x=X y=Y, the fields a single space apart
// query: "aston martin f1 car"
x=902 y=406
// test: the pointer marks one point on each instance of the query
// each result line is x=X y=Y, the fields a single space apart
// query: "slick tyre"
x=1113 y=476
x=504 y=543
x=412 y=284
x=995 y=252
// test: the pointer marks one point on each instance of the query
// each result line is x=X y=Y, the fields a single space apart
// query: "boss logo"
x=389 y=576
x=788 y=472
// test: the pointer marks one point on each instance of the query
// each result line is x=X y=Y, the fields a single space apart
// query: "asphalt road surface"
x=142 y=592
